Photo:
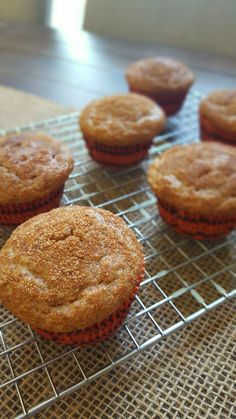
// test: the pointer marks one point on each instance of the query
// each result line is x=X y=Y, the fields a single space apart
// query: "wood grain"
x=73 y=70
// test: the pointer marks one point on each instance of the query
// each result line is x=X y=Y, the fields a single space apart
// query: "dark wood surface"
x=72 y=70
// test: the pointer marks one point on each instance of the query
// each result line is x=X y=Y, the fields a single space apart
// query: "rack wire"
x=183 y=278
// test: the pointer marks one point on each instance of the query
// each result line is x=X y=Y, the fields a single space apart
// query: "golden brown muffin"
x=218 y=116
x=122 y=120
x=33 y=170
x=119 y=129
x=31 y=166
x=69 y=268
x=196 y=188
x=164 y=80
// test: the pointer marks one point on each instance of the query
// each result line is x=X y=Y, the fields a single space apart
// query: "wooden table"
x=73 y=70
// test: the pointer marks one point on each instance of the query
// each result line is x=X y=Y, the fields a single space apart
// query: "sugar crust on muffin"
x=32 y=165
x=198 y=178
x=219 y=109
x=69 y=268
x=159 y=74
x=122 y=120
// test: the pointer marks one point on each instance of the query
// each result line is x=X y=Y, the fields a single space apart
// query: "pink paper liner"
x=197 y=226
x=20 y=212
x=118 y=155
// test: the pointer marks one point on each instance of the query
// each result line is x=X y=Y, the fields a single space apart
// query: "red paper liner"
x=210 y=133
x=171 y=103
x=12 y=214
x=117 y=155
x=97 y=332
x=196 y=226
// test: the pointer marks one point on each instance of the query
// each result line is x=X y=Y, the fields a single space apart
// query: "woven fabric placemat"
x=190 y=374
x=19 y=108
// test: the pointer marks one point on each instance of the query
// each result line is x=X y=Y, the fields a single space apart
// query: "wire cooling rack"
x=183 y=278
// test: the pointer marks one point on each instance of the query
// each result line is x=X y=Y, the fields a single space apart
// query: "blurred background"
x=74 y=51
x=201 y=25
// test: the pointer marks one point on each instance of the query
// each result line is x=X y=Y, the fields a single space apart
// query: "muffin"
x=119 y=129
x=217 y=113
x=71 y=273
x=163 y=80
x=196 y=188
x=33 y=170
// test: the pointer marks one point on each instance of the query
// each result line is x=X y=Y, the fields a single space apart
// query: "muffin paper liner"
x=196 y=226
x=210 y=133
x=170 y=103
x=99 y=331
x=20 y=212
x=117 y=155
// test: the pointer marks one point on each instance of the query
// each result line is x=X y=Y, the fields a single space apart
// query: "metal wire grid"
x=183 y=278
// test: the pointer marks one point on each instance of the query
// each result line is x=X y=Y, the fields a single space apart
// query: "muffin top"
x=220 y=108
x=122 y=119
x=69 y=268
x=31 y=166
x=198 y=178
x=159 y=74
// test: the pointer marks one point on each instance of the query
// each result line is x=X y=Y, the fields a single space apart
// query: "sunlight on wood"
x=67 y=15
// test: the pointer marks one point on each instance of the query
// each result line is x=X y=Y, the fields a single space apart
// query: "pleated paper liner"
x=211 y=133
x=99 y=331
x=196 y=226
x=117 y=155
x=171 y=103
x=13 y=214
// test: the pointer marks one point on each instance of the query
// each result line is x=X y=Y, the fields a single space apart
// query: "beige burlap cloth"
x=190 y=374
x=19 y=108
